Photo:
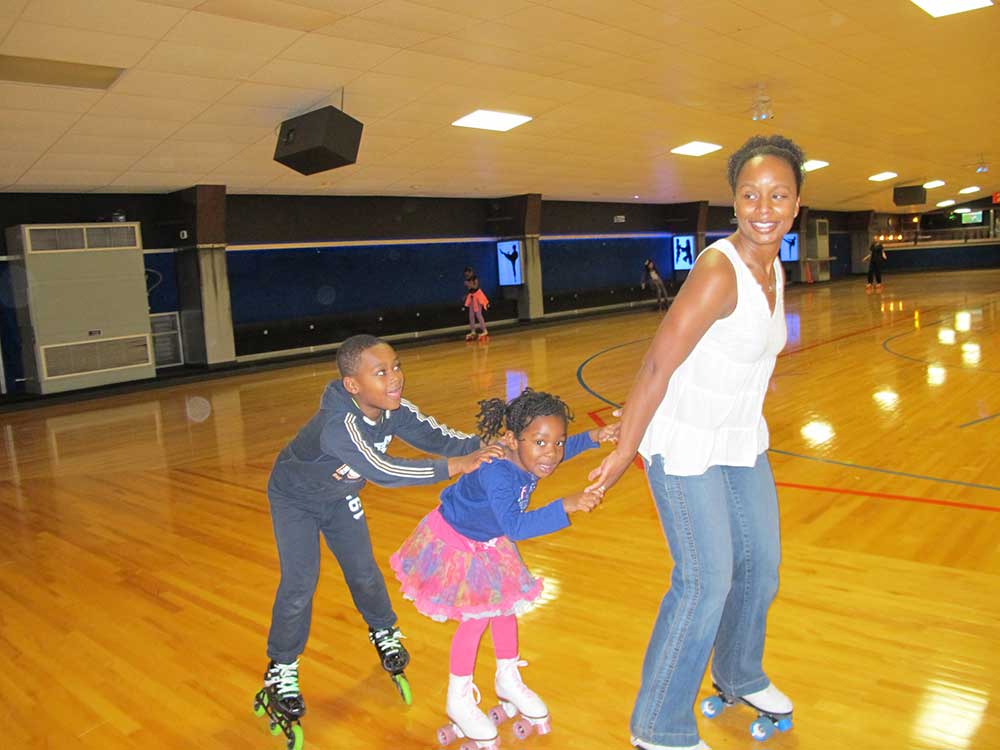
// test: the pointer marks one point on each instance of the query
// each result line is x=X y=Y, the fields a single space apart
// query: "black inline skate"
x=282 y=702
x=394 y=658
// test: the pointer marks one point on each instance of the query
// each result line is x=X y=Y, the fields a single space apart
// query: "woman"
x=651 y=275
x=694 y=413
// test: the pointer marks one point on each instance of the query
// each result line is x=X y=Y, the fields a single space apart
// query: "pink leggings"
x=465 y=642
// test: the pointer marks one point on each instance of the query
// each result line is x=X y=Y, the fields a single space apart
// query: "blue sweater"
x=493 y=500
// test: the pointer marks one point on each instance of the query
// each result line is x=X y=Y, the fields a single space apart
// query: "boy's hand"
x=585 y=501
x=470 y=462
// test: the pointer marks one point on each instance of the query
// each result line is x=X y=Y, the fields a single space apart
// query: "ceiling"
x=612 y=85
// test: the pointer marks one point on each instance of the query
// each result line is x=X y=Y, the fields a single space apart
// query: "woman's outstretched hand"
x=609 y=472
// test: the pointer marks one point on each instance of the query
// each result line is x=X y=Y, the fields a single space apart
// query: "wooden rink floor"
x=138 y=566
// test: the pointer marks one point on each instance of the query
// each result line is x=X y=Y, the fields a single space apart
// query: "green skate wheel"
x=275 y=728
x=403 y=686
x=296 y=740
x=259 y=701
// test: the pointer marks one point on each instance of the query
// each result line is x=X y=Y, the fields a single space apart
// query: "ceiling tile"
x=73 y=45
x=345 y=53
x=375 y=32
x=144 y=108
x=271 y=12
x=217 y=32
x=306 y=75
x=206 y=62
x=123 y=17
x=413 y=16
x=46 y=98
x=152 y=83
x=280 y=97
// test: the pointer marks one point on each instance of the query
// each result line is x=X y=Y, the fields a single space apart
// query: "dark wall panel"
x=260 y=219
x=156 y=213
x=573 y=217
x=278 y=284
x=954 y=257
x=576 y=265
x=161 y=282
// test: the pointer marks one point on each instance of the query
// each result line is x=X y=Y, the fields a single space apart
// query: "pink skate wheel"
x=544 y=726
x=497 y=715
x=446 y=735
x=522 y=729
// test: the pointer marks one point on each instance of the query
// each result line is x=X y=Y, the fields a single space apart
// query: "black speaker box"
x=911 y=195
x=317 y=141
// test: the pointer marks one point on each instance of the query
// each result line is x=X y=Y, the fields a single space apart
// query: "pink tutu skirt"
x=451 y=577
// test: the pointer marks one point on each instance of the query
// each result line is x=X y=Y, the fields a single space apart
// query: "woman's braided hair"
x=494 y=414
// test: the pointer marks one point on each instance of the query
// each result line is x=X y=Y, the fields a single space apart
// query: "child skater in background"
x=461 y=562
x=651 y=275
x=476 y=301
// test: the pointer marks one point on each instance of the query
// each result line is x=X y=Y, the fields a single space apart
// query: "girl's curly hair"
x=494 y=414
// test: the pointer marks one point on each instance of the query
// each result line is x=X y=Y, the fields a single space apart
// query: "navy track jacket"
x=340 y=449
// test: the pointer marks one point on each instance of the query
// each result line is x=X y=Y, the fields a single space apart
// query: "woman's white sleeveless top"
x=712 y=413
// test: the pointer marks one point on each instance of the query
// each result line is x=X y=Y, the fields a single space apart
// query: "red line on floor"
x=885 y=496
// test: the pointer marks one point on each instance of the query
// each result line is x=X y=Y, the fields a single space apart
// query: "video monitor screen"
x=789 y=247
x=683 y=252
x=509 y=263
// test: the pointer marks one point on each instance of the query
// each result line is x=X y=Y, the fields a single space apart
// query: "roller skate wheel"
x=497 y=715
x=544 y=726
x=761 y=729
x=522 y=729
x=296 y=740
x=403 y=686
x=446 y=735
x=784 y=724
x=712 y=706
x=470 y=745
x=274 y=727
x=258 y=707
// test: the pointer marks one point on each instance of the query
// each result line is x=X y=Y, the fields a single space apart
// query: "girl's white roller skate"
x=517 y=698
x=467 y=721
x=773 y=707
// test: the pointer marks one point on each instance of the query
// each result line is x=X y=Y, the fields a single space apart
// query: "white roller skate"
x=467 y=720
x=773 y=707
x=517 y=698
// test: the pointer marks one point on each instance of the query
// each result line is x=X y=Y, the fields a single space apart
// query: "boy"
x=314 y=488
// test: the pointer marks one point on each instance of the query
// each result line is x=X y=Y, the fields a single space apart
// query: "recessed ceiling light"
x=485 y=119
x=813 y=164
x=970 y=189
x=934 y=184
x=938 y=8
x=945 y=204
x=695 y=148
x=963 y=210
x=636 y=197
x=881 y=176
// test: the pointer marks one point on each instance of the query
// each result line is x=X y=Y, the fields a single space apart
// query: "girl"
x=461 y=562
x=651 y=275
x=476 y=301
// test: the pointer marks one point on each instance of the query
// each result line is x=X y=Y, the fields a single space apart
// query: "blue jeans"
x=722 y=528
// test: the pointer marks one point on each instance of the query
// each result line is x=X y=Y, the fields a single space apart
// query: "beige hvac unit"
x=82 y=308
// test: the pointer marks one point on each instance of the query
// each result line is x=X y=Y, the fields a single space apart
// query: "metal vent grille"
x=63 y=360
x=110 y=236
x=102 y=237
x=167 y=348
x=65 y=238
